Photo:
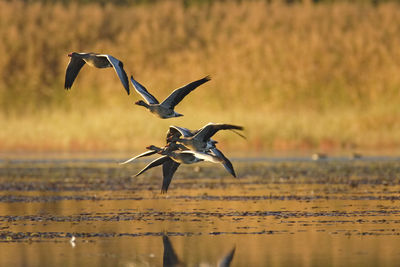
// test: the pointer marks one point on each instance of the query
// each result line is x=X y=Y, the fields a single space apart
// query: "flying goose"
x=174 y=133
x=172 y=158
x=200 y=140
x=165 y=109
x=169 y=166
x=94 y=60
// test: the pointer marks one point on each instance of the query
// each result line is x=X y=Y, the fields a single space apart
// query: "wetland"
x=279 y=212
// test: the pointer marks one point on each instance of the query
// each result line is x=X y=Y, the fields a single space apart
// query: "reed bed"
x=296 y=76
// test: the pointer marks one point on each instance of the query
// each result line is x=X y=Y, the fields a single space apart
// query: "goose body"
x=165 y=109
x=78 y=60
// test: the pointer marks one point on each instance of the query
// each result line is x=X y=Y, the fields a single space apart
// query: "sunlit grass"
x=133 y=128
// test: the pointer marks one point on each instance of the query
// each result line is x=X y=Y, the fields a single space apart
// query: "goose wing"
x=169 y=169
x=177 y=95
x=183 y=131
x=119 y=69
x=150 y=99
x=154 y=163
x=241 y=135
x=176 y=132
x=210 y=129
x=74 y=66
x=202 y=156
x=226 y=162
x=145 y=154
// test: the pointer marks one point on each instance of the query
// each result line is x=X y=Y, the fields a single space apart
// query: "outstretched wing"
x=154 y=163
x=203 y=156
x=183 y=131
x=119 y=69
x=145 y=154
x=150 y=99
x=74 y=66
x=169 y=169
x=176 y=132
x=177 y=95
x=226 y=162
x=210 y=129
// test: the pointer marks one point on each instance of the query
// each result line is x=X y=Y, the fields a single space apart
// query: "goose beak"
x=70 y=54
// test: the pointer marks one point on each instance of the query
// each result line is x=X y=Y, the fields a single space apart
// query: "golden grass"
x=297 y=77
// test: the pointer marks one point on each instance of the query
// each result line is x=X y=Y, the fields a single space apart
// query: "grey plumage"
x=165 y=109
x=78 y=60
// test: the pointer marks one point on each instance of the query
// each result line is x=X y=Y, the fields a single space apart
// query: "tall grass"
x=299 y=76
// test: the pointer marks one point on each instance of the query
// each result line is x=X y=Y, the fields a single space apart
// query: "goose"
x=94 y=60
x=165 y=109
x=171 y=160
x=200 y=140
x=174 y=133
x=169 y=166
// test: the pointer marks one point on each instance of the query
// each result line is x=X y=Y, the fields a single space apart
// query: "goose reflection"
x=170 y=258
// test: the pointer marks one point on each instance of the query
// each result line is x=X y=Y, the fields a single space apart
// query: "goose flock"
x=183 y=146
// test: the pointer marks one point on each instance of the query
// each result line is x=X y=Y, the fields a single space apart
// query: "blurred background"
x=298 y=75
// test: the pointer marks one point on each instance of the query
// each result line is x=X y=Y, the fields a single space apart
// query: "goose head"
x=142 y=103
x=152 y=147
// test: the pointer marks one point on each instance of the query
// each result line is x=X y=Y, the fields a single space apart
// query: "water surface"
x=278 y=213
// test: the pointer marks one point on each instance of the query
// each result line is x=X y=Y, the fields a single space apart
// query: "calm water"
x=343 y=213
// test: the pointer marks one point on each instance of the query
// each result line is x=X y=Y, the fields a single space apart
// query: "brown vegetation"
x=299 y=76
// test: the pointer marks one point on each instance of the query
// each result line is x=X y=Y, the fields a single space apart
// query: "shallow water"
x=286 y=213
